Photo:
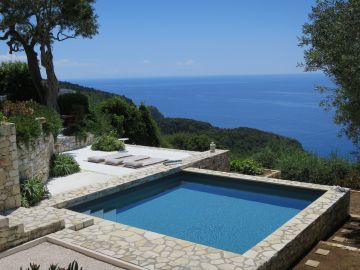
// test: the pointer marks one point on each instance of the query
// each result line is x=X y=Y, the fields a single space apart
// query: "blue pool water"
x=213 y=211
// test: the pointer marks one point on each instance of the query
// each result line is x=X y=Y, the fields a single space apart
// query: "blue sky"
x=142 y=38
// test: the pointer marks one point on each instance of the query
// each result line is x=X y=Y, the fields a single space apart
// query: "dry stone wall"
x=216 y=162
x=68 y=143
x=9 y=168
x=34 y=159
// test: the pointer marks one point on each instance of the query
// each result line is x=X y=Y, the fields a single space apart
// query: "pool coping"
x=271 y=253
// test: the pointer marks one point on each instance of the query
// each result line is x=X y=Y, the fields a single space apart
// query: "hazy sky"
x=143 y=38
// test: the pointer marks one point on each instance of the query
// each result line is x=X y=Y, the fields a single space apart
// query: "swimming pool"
x=220 y=212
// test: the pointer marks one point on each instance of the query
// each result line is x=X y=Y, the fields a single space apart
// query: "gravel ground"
x=47 y=253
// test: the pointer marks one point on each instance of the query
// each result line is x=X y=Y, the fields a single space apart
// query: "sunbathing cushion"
x=96 y=159
x=132 y=164
x=113 y=161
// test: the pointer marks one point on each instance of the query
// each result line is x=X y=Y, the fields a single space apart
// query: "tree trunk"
x=52 y=81
x=35 y=73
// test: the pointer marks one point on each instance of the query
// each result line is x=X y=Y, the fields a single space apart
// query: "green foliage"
x=53 y=120
x=24 y=113
x=190 y=142
x=62 y=165
x=306 y=167
x=247 y=166
x=332 y=43
x=267 y=157
x=27 y=128
x=129 y=121
x=107 y=143
x=32 y=191
x=73 y=103
x=2 y=117
x=242 y=142
x=94 y=96
x=15 y=108
x=152 y=134
x=15 y=81
x=155 y=113
x=72 y=266
x=299 y=165
x=77 y=130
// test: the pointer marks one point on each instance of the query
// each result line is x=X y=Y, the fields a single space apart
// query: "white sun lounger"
x=95 y=159
x=143 y=163
x=119 y=161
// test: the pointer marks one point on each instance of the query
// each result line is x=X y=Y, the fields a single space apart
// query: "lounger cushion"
x=96 y=159
x=113 y=161
x=133 y=164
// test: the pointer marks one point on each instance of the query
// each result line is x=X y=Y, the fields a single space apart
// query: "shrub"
x=62 y=165
x=32 y=191
x=306 y=167
x=73 y=103
x=27 y=128
x=16 y=82
x=2 y=117
x=72 y=266
x=247 y=166
x=53 y=120
x=267 y=157
x=77 y=130
x=107 y=143
x=191 y=142
x=130 y=121
x=15 y=108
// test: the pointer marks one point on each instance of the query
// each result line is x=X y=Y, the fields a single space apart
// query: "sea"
x=284 y=104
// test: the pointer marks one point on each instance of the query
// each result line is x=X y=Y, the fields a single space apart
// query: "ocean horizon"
x=287 y=105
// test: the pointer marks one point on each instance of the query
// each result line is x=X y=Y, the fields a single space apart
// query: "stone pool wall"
x=9 y=168
x=219 y=161
x=317 y=230
x=68 y=143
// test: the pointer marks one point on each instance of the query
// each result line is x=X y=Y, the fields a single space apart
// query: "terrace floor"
x=93 y=173
x=341 y=251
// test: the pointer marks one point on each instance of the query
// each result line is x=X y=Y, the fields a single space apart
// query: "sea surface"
x=283 y=104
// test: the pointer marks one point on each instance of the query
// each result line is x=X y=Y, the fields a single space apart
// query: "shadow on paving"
x=337 y=259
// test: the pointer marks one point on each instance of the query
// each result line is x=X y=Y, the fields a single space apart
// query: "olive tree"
x=331 y=39
x=33 y=26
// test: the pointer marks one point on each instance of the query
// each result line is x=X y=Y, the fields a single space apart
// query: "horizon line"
x=190 y=76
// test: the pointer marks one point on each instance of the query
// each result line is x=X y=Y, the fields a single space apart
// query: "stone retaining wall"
x=318 y=230
x=34 y=159
x=215 y=162
x=9 y=172
x=68 y=143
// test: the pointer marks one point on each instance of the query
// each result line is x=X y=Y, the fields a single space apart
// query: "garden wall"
x=9 y=172
x=68 y=143
x=34 y=159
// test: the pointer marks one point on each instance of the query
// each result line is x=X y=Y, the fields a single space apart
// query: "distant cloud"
x=12 y=58
x=188 y=62
x=146 y=61
x=69 y=63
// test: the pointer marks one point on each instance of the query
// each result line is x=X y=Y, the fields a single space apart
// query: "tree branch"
x=61 y=36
